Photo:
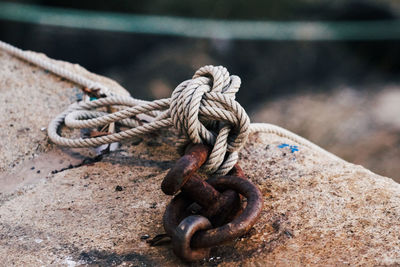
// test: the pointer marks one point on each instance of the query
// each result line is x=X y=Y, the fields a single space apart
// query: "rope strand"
x=203 y=109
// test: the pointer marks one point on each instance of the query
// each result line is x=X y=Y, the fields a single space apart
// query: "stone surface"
x=360 y=126
x=94 y=212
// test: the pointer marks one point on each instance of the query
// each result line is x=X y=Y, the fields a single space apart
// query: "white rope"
x=203 y=110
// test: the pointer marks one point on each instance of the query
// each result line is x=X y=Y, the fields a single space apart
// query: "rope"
x=203 y=110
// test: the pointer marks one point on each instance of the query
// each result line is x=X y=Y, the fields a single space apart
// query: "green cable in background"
x=201 y=28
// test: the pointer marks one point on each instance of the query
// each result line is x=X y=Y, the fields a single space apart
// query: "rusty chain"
x=216 y=203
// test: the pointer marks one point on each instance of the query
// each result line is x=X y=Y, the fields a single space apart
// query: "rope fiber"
x=203 y=110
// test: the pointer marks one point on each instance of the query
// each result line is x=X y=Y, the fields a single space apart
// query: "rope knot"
x=204 y=110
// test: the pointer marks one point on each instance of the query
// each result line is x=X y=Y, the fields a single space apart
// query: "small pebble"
x=118 y=188
x=32 y=168
x=38 y=171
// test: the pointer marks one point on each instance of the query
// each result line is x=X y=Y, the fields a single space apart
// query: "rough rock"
x=94 y=212
x=360 y=126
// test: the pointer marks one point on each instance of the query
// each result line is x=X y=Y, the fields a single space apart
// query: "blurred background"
x=327 y=70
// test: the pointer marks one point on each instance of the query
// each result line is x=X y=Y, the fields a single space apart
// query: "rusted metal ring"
x=184 y=168
x=183 y=234
x=176 y=211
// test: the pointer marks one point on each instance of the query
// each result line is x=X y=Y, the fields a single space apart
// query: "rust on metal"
x=237 y=171
x=217 y=200
x=184 y=168
x=183 y=235
x=215 y=205
x=242 y=223
x=202 y=192
x=177 y=210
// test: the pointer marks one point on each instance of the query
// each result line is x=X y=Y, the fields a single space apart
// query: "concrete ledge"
x=317 y=212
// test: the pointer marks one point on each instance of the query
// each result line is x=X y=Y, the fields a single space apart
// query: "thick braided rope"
x=45 y=64
x=203 y=109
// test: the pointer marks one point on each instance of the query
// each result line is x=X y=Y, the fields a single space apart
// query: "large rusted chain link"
x=221 y=218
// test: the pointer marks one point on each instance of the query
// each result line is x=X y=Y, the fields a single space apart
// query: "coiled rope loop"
x=203 y=110
x=208 y=97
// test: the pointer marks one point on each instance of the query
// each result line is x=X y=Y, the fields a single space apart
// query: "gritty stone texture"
x=360 y=126
x=30 y=97
x=316 y=211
